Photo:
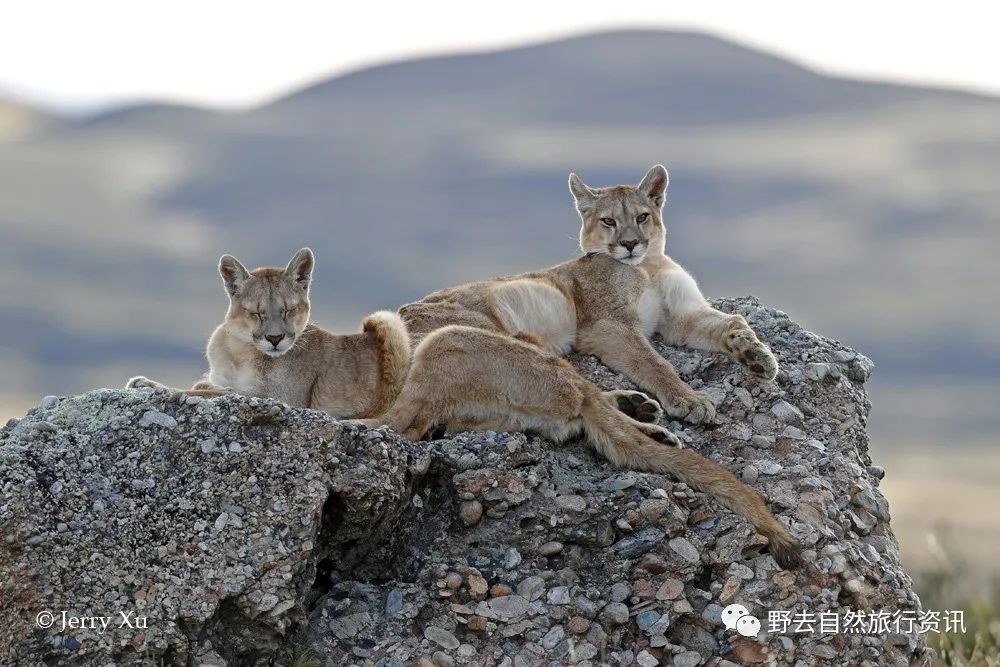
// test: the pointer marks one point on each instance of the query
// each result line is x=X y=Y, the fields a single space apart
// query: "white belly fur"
x=539 y=308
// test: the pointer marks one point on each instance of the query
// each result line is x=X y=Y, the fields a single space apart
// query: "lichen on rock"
x=247 y=532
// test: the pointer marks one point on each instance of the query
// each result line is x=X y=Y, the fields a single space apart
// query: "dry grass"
x=944 y=515
x=944 y=494
x=979 y=645
x=12 y=405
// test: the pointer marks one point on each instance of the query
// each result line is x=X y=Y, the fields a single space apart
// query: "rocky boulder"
x=142 y=525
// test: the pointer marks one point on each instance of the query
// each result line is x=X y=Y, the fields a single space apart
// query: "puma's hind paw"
x=661 y=434
x=436 y=432
x=373 y=422
x=695 y=407
x=746 y=348
x=636 y=405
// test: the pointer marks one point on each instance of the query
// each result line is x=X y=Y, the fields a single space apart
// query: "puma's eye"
x=642 y=218
x=608 y=222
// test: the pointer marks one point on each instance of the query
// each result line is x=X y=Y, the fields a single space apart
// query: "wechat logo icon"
x=737 y=617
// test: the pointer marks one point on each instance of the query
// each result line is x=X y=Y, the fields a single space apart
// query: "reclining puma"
x=606 y=303
x=610 y=301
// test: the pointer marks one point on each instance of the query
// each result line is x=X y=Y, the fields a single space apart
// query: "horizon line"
x=89 y=111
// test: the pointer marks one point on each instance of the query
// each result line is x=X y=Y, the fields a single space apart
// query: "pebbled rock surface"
x=245 y=532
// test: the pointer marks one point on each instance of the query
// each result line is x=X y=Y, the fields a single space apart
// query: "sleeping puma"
x=267 y=347
x=610 y=301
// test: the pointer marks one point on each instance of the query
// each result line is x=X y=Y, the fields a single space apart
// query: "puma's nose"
x=630 y=245
x=274 y=340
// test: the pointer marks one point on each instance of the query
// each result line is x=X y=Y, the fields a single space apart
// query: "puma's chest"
x=241 y=378
x=670 y=293
x=650 y=309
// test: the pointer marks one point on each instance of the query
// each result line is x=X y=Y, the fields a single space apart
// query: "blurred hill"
x=868 y=210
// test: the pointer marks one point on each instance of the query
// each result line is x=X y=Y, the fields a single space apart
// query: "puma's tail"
x=628 y=447
x=392 y=342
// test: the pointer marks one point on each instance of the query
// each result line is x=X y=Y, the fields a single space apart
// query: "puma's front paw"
x=636 y=405
x=692 y=406
x=141 y=382
x=746 y=348
x=205 y=385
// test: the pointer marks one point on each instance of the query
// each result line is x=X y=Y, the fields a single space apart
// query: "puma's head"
x=268 y=307
x=623 y=221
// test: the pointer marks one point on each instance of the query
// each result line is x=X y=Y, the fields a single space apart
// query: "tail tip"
x=786 y=552
x=381 y=318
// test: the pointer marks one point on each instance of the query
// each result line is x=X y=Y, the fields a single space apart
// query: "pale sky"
x=225 y=53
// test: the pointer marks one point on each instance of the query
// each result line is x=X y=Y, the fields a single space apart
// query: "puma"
x=606 y=303
x=266 y=346
x=610 y=301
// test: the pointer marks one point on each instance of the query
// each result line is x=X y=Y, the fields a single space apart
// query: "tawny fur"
x=392 y=343
x=471 y=377
x=346 y=375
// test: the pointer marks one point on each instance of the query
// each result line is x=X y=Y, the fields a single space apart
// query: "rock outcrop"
x=240 y=531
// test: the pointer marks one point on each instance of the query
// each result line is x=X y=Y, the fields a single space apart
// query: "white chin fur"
x=271 y=352
x=631 y=260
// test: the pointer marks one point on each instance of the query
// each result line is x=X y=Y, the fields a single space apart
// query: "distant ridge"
x=652 y=58
x=137 y=113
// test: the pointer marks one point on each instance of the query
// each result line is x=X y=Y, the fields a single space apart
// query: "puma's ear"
x=581 y=193
x=233 y=273
x=654 y=184
x=300 y=267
